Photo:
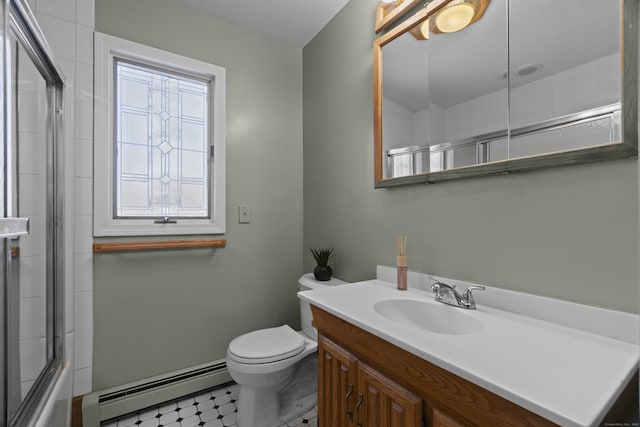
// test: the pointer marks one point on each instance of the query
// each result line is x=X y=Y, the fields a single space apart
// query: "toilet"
x=276 y=368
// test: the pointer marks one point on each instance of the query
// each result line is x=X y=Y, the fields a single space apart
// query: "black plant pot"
x=322 y=273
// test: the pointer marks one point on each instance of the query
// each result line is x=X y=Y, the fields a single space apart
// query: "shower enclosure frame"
x=20 y=31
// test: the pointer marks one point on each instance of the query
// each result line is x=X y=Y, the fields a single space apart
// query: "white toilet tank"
x=307 y=282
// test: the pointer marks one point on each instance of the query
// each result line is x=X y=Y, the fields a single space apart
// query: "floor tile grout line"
x=197 y=412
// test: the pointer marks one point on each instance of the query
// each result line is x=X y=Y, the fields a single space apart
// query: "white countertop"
x=567 y=375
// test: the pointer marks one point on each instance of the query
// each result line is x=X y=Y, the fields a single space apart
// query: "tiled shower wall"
x=580 y=88
x=576 y=89
x=68 y=26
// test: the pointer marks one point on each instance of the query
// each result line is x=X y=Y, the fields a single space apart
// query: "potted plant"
x=322 y=256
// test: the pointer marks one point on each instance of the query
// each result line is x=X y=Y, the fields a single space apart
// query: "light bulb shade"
x=455 y=18
x=421 y=31
x=457 y=15
x=424 y=29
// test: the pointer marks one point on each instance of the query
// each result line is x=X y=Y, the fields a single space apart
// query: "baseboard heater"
x=114 y=402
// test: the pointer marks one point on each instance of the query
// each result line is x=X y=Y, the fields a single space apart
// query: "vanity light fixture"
x=458 y=15
x=389 y=11
x=421 y=31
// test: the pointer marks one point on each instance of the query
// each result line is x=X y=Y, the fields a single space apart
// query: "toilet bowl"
x=276 y=368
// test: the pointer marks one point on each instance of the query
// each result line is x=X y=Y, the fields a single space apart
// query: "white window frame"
x=107 y=49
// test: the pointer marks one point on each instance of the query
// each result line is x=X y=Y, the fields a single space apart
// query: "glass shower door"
x=30 y=220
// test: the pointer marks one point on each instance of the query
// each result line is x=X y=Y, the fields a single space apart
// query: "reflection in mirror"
x=432 y=98
x=564 y=83
x=518 y=83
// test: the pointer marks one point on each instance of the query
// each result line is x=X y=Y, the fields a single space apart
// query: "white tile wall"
x=69 y=71
x=85 y=13
x=84 y=196
x=84 y=236
x=68 y=26
x=27 y=153
x=562 y=94
x=84 y=151
x=32 y=317
x=29 y=122
x=580 y=88
x=84 y=80
x=480 y=115
x=32 y=275
x=84 y=310
x=60 y=34
x=63 y=9
x=85 y=23
x=84 y=120
x=542 y=99
x=32 y=194
x=69 y=308
x=84 y=272
x=84 y=47
x=84 y=339
x=32 y=358
x=82 y=380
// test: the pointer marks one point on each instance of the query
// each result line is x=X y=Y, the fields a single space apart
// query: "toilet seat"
x=266 y=345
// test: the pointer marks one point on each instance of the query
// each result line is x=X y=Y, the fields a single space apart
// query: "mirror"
x=517 y=89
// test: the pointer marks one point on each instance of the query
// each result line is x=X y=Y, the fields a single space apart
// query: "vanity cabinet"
x=351 y=393
x=440 y=419
x=337 y=379
x=365 y=381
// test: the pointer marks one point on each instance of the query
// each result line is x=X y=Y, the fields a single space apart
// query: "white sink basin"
x=438 y=318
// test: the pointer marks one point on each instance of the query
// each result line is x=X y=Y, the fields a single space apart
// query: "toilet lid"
x=267 y=345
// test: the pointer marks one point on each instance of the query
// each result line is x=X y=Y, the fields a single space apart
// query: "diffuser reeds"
x=401 y=262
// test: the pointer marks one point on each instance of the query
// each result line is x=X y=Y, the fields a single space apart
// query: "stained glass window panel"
x=162 y=150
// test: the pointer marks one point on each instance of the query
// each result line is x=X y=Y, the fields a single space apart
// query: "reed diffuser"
x=401 y=262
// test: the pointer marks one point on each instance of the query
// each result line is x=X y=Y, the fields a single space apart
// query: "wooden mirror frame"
x=388 y=13
x=628 y=147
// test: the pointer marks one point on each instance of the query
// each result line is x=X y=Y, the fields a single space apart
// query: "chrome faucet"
x=447 y=294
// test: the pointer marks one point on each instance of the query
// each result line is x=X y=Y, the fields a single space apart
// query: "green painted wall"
x=159 y=312
x=569 y=233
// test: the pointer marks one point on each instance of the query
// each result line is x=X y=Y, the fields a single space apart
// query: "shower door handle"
x=13 y=227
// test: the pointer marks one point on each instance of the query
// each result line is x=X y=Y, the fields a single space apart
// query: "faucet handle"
x=437 y=286
x=467 y=296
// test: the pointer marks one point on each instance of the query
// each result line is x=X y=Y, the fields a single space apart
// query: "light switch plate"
x=244 y=214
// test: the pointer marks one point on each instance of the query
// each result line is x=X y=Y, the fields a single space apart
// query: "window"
x=159 y=151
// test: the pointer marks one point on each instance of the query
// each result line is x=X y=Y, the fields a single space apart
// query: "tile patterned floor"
x=212 y=408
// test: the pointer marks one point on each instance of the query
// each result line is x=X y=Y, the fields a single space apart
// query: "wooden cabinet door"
x=385 y=403
x=337 y=376
x=440 y=419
